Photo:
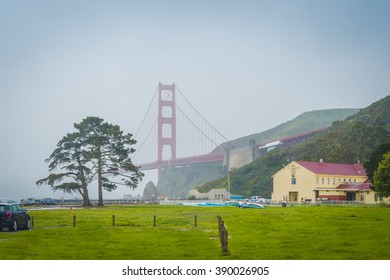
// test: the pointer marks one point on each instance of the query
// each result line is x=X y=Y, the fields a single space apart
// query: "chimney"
x=359 y=171
x=321 y=161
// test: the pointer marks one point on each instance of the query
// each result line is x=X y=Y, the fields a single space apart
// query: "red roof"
x=354 y=186
x=333 y=168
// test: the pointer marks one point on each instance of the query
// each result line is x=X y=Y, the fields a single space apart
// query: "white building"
x=214 y=194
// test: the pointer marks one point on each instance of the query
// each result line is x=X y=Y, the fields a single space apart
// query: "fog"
x=246 y=66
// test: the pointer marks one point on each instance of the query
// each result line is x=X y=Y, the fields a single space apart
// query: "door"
x=351 y=196
x=20 y=215
x=293 y=196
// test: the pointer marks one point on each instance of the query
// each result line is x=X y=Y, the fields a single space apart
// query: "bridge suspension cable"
x=145 y=139
x=146 y=114
x=194 y=135
x=213 y=128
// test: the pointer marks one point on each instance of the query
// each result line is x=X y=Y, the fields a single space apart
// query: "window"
x=328 y=181
x=292 y=170
x=317 y=179
x=334 y=181
x=377 y=197
x=323 y=180
x=293 y=180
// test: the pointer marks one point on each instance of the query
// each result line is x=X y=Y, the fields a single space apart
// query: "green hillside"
x=344 y=142
x=176 y=182
x=305 y=122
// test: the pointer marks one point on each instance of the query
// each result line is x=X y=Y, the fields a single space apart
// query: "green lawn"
x=274 y=233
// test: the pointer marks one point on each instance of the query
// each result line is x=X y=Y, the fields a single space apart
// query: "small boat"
x=251 y=205
x=213 y=204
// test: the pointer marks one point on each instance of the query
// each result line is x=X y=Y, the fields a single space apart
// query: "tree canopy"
x=371 y=165
x=382 y=177
x=97 y=150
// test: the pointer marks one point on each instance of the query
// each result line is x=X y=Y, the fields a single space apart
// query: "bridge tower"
x=166 y=131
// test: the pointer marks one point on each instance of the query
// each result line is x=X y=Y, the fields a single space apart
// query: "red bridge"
x=175 y=110
x=213 y=157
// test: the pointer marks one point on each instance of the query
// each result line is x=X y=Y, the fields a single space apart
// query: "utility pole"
x=229 y=194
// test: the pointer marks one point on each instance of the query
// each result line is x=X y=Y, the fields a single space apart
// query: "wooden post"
x=224 y=244
x=154 y=220
x=195 y=221
x=113 y=220
x=219 y=220
x=220 y=229
x=223 y=235
x=74 y=221
x=32 y=221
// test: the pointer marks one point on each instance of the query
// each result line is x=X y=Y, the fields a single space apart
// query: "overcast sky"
x=247 y=66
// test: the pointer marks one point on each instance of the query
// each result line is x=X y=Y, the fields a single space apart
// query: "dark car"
x=48 y=201
x=13 y=217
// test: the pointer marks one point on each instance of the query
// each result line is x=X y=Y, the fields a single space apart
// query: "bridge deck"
x=213 y=157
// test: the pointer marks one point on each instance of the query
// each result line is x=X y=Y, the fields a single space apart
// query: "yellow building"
x=303 y=181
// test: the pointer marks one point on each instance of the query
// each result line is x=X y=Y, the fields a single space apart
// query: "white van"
x=258 y=199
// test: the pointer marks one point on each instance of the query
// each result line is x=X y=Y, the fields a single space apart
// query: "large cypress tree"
x=70 y=157
x=98 y=150
x=109 y=150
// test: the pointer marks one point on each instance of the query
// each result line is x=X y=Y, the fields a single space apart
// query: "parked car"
x=27 y=202
x=13 y=217
x=48 y=201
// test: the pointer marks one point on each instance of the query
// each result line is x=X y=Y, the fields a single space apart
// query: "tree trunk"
x=84 y=188
x=100 y=183
x=85 y=196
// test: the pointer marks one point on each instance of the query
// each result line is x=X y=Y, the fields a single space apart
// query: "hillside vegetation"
x=344 y=142
x=305 y=122
x=176 y=182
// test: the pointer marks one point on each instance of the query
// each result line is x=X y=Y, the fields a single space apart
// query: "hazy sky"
x=247 y=66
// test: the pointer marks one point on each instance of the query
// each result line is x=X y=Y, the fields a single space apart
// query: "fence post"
x=223 y=235
x=154 y=220
x=74 y=220
x=219 y=220
x=224 y=244
x=113 y=220
x=195 y=221
x=220 y=229
x=32 y=221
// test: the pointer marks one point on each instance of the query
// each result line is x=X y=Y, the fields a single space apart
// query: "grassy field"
x=274 y=233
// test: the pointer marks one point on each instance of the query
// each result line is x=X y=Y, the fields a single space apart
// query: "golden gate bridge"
x=184 y=136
